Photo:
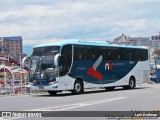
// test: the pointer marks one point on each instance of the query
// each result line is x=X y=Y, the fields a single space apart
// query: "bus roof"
x=89 y=43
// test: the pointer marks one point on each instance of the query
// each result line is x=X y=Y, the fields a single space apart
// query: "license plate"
x=41 y=87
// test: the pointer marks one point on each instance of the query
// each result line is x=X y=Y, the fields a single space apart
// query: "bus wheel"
x=52 y=93
x=132 y=83
x=78 y=87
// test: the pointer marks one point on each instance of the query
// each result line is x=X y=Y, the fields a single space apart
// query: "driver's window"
x=65 y=59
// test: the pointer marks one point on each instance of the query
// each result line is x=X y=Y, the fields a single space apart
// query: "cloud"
x=35 y=42
x=42 y=21
x=139 y=24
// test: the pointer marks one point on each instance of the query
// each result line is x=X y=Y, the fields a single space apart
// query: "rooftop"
x=12 y=38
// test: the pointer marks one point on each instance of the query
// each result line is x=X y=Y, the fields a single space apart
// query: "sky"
x=46 y=21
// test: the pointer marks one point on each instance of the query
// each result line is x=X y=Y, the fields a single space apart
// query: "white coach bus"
x=75 y=65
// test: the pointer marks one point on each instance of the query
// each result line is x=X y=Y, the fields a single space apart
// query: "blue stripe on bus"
x=118 y=71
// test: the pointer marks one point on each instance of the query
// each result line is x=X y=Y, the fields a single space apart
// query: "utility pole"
x=3 y=63
x=155 y=61
x=21 y=68
x=20 y=59
x=156 y=69
x=13 y=91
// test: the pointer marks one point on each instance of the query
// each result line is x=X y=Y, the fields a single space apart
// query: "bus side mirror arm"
x=56 y=61
x=23 y=61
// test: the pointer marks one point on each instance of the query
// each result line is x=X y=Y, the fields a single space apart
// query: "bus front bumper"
x=53 y=87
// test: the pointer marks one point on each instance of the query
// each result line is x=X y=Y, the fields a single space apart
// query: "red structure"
x=11 y=60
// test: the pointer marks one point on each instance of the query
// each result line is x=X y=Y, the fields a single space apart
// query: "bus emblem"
x=92 y=70
x=108 y=66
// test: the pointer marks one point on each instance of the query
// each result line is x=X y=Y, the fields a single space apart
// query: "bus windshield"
x=42 y=62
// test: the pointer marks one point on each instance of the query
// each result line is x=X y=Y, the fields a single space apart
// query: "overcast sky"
x=42 y=21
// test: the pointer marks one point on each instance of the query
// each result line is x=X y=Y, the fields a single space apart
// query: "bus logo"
x=108 y=66
x=92 y=70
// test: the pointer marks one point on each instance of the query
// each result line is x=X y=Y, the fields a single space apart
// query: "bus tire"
x=52 y=93
x=132 y=83
x=78 y=87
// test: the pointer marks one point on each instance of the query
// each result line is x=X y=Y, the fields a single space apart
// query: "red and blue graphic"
x=92 y=70
x=94 y=73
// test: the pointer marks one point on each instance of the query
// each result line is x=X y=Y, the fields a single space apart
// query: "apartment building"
x=154 y=42
x=11 y=46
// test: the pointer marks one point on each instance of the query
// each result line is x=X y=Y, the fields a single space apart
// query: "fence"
x=14 y=88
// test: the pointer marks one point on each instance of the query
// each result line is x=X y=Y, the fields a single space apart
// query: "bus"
x=75 y=65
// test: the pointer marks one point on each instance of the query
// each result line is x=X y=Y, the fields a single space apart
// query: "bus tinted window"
x=127 y=54
x=105 y=52
x=51 y=50
x=115 y=53
x=134 y=54
x=79 y=52
x=38 y=51
x=109 y=53
x=66 y=59
x=92 y=52
x=46 y=51
x=143 y=55
x=67 y=52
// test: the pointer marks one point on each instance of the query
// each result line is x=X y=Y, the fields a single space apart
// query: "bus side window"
x=93 y=52
x=115 y=54
x=112 y=54
x=105 y=52
x=129 y=55
x=118 y=53
x=66 y=59
x=79 y=52
x=108 y=54
x=143 y=55
x=89 y=55
x=135 y=54
x=126 y=54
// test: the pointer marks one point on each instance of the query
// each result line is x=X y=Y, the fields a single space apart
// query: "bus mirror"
x=24 y=60
x=56 y=59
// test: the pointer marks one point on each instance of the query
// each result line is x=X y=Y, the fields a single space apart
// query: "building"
x=11 y=46
x=153 y=44
x=156 y=37
x=10 y=69
x=122 y=38
x=127 y=40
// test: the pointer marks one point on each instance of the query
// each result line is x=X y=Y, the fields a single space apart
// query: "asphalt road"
x=142 y=98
